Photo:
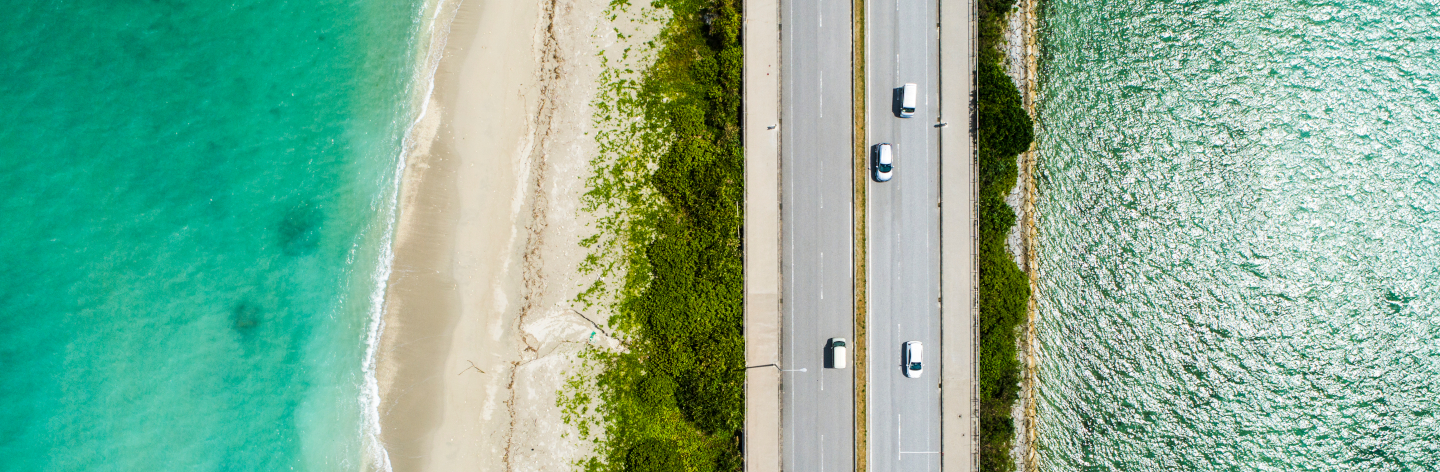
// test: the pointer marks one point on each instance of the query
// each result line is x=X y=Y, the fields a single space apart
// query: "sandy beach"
x=479 y=334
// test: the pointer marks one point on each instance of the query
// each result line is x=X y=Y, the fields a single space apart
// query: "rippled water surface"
x=1240 y=229
x=194 y=204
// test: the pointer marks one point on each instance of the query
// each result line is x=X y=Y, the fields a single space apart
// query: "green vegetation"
x=1005 y=131
x=667 y=192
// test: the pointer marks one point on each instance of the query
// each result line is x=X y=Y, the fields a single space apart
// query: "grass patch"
x=1005 y=131
x=666 y=191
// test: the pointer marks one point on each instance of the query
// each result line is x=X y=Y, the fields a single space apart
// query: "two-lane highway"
x=816 y=236
x=905 y=252
x=904 y=237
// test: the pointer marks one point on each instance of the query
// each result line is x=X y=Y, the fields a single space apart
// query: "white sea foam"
x=432 y=30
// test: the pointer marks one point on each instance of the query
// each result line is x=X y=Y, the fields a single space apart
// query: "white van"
x=907 y=100
x=914 y=351
x=838 y=359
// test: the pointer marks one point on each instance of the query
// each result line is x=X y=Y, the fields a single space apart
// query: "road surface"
x=816 y=236
x=904 y=236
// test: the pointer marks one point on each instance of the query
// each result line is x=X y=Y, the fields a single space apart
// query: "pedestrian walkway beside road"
x=761 y=33
x=958 y=400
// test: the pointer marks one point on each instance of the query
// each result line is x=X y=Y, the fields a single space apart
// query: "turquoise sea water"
x=195 y=203
x=1240 y=230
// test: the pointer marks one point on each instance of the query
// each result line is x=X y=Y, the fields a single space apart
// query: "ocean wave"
x=433 y=28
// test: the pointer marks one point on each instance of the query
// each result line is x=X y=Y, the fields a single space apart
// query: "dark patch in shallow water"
x=300 y=230
x=245 y=317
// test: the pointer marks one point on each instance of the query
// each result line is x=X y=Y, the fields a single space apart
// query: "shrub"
x=1004 y=131
x=675 y=400
x=653 y=455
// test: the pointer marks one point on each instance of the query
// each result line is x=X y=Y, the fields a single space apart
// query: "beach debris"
x=472 y=366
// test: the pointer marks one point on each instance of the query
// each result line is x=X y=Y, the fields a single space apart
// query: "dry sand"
x=479 y=335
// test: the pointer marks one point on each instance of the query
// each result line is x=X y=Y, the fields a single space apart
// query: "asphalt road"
x=904 y=237
x=816 y=261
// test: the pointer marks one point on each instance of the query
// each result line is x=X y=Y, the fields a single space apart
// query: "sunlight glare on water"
x=1239 y=238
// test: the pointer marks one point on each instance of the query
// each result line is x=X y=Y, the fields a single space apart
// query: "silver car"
x=882 y=161
x=914 y=351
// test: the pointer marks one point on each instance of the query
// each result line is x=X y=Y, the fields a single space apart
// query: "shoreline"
x=416 y=141
x=1025 y=233
x=478 y=335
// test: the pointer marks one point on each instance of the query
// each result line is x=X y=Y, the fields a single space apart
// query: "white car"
x=838 y=359
x=914 y=351
x=882 y=161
